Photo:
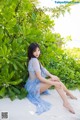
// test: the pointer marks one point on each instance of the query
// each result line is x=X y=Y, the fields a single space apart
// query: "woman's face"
x=36 y=53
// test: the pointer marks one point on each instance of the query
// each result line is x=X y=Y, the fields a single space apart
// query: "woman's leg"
x=44 y=86
x=66 y=104
x=64 y=98
x=67 y=91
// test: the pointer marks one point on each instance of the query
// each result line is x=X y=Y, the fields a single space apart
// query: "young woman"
x=38 y=84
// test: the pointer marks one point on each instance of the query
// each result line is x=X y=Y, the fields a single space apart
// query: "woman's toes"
x=70 y=109
x=73 y=97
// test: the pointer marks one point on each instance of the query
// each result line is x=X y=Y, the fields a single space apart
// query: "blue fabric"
x=33 y=88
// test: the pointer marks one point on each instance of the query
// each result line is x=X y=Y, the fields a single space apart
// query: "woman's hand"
x=55 y=78
x=55 y=83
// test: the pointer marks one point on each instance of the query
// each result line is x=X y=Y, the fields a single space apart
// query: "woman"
x=38 y=84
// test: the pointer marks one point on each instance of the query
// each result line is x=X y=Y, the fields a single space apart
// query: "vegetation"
x=22 y=23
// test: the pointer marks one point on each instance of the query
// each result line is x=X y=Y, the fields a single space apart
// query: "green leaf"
x=16 y=90
x=11 y=94
x=20 y=65
x=16 y=82
x=11 y=75
x=23 y=93
x=33 y=16
x=2 y=92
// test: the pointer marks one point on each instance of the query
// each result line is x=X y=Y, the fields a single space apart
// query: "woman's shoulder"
x=34 y=59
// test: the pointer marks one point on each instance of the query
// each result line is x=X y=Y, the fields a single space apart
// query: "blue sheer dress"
x=33 y=86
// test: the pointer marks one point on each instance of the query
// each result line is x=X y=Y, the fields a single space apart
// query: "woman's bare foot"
x=68 y=106
x=71 y=96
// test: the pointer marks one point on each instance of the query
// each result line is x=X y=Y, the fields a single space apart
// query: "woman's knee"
x=60 y=85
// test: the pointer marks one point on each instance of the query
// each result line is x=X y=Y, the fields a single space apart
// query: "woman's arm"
x=36 y=67
x=42 y=79
x=46 y=71
x=55 y=78
x=48 y=81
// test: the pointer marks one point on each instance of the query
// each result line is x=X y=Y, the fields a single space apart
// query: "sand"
x=25 y=110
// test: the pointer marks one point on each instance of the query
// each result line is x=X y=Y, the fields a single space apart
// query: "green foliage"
x=74 y=53
x=22 y=23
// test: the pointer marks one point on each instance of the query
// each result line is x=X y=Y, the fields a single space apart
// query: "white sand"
x=25 y=110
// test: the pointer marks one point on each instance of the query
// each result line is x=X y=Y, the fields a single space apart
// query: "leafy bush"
x=21 y=23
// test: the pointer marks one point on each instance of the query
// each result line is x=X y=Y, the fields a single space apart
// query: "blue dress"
x=33 y=86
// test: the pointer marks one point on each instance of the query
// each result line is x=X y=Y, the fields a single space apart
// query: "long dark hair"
x=32 y=47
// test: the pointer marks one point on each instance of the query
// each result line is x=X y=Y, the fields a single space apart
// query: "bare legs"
x=65 y=101
x=61 y=91
x=44 y=86
x=68 y=93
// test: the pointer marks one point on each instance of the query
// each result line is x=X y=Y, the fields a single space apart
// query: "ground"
x=25 y=110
